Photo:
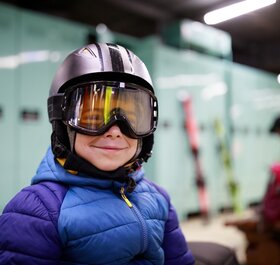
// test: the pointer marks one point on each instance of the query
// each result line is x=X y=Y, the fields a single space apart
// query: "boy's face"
x=107 y=151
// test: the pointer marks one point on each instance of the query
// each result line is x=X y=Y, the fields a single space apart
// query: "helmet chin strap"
x=134 y=163
x=72 y=138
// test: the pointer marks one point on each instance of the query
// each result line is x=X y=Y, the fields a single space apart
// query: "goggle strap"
x=55 y=107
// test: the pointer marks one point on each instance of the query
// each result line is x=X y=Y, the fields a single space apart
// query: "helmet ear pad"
x=59 y=139
x=147 y=146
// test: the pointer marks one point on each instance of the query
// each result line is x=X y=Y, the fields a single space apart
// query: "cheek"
x=81 y=143
x=133 y=143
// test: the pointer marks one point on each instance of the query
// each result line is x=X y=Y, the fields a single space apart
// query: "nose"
x=113 y=132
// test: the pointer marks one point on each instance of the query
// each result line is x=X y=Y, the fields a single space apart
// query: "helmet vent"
x=130 y=60
x=88 y=52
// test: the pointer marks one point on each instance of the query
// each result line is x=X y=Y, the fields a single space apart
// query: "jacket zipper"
x=127 y=201
x=139 y=217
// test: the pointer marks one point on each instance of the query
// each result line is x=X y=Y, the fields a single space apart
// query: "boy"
x=89 y=202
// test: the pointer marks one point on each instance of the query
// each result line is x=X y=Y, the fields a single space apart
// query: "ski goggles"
x=92 y=108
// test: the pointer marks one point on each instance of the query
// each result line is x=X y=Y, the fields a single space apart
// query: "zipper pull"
x=122 y=192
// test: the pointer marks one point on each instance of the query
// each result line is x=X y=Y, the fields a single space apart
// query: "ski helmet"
x=101 y=67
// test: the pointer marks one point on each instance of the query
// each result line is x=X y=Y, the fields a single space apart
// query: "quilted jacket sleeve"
x=175 y=246
x=28 y=232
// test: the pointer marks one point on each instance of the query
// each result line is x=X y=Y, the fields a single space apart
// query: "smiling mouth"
x=113 y=148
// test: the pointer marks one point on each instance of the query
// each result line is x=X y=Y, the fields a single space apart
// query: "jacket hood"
x=50 y=170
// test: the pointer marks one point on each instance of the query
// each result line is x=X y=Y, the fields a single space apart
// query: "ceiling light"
x=278 y=78
x=235 y=10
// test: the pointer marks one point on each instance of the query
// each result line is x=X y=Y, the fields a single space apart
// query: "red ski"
x=193 y=136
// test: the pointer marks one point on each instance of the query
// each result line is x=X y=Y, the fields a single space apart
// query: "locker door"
x=255 y=103
x=34 y=82
x=203 y=78
x=45 y=41
x=8 y=106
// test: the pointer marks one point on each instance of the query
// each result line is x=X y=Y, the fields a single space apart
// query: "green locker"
x=255 y=103
x=34 y=38
x=8 y=103
x=32 y=46
x=44 y=43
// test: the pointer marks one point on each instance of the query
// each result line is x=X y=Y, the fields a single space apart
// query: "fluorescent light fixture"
x=278 y=78
x=235 y=10
x=13 y=61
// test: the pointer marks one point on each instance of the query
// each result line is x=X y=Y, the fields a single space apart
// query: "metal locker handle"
x=30 y=115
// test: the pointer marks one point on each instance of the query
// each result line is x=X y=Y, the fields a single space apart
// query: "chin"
x=107 y=168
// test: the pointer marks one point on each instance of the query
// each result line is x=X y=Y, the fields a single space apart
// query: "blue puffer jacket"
x=64 y=218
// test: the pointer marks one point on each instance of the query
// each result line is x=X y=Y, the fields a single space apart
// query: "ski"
x=225 y=157
x=192 y=133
